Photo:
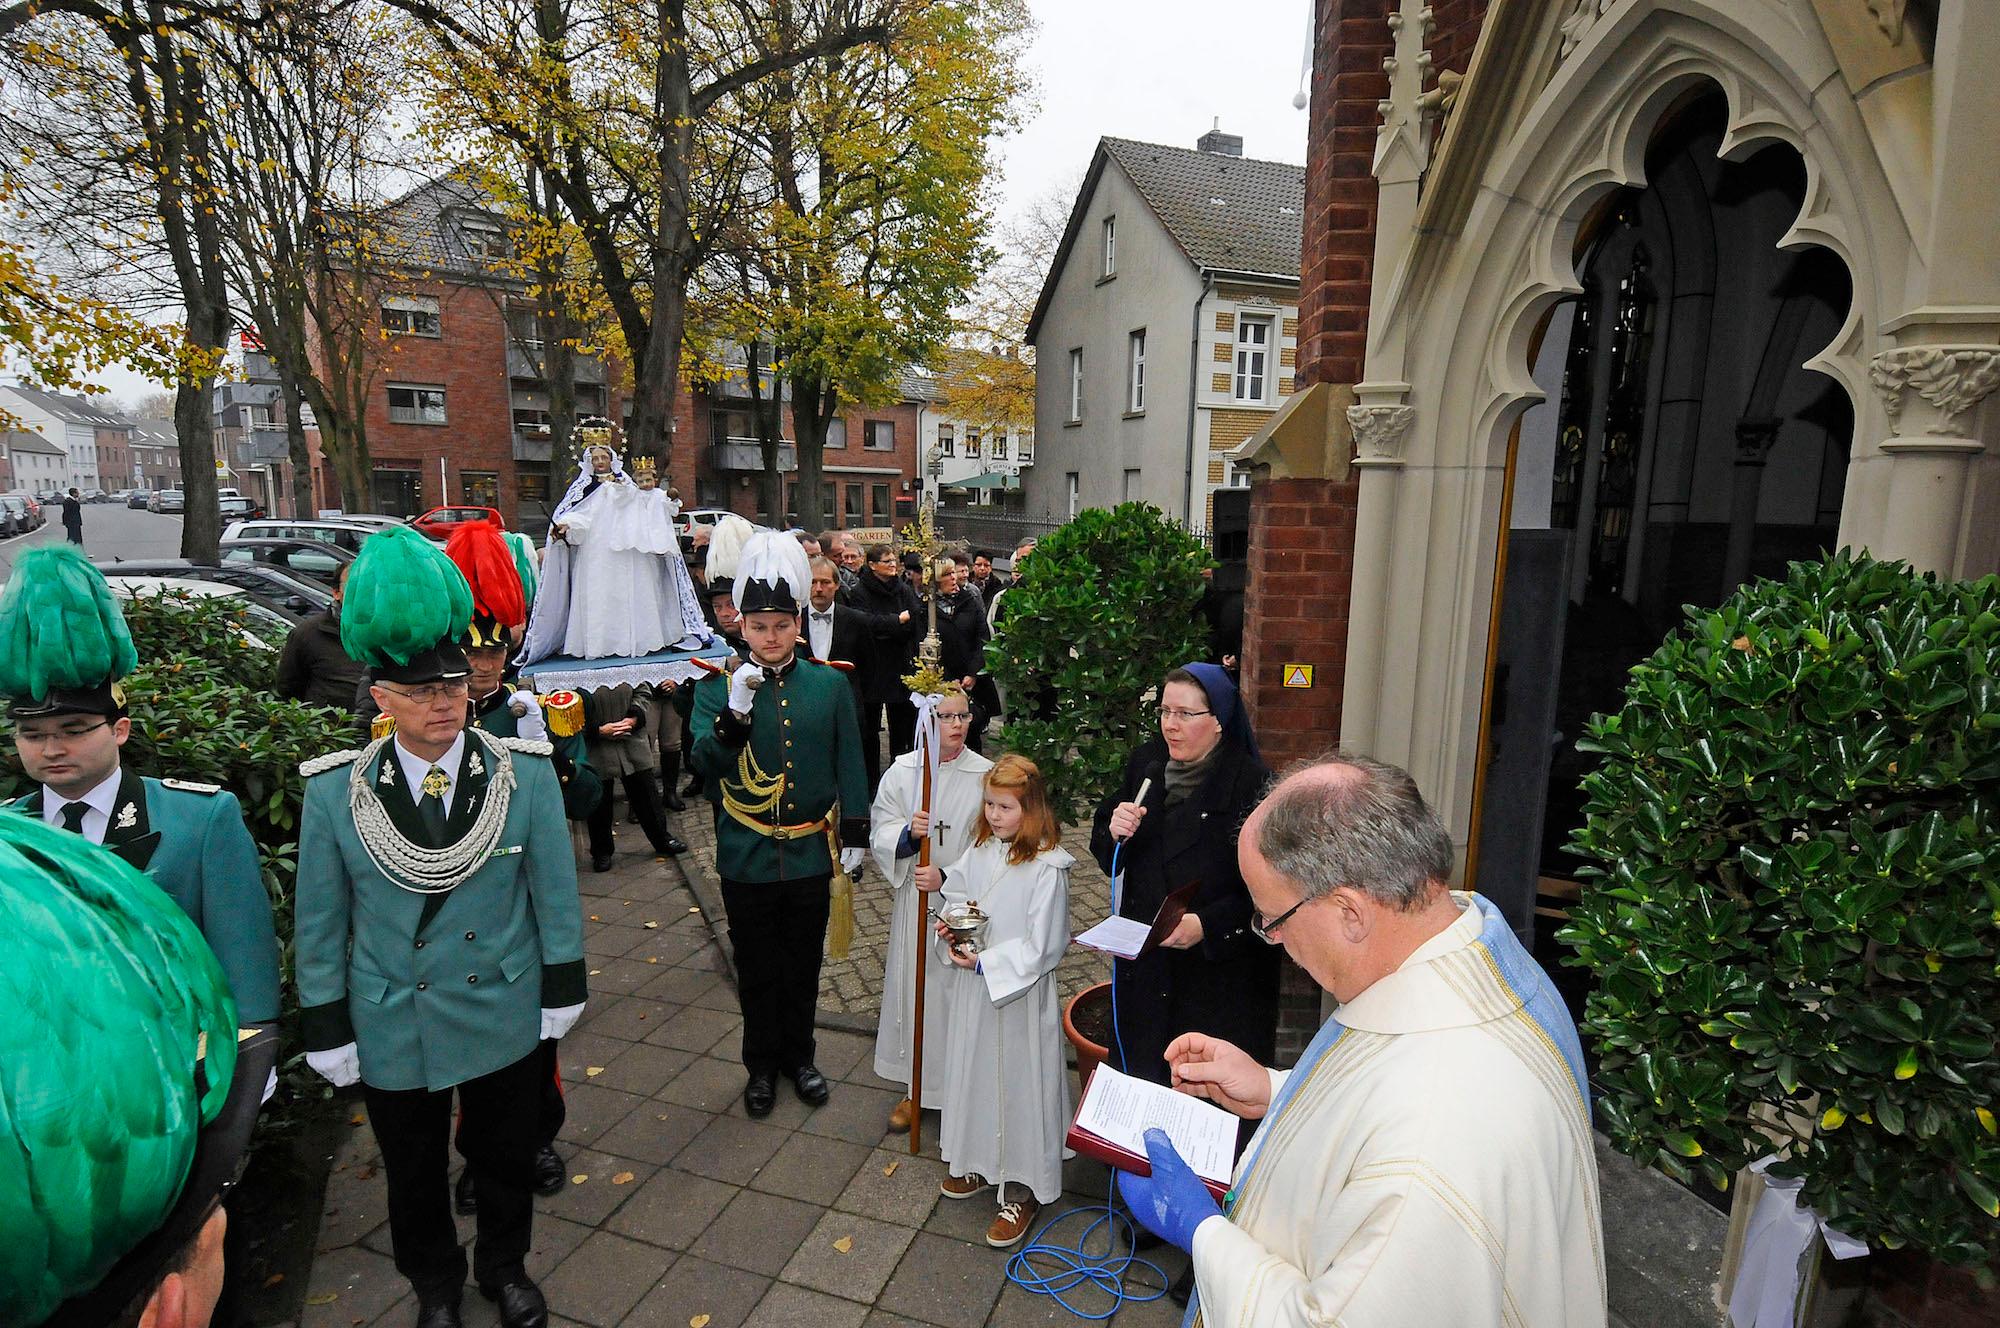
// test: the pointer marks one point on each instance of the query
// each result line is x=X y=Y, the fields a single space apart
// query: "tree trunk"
x=766 y=416
x=295 y=448
x=812 y=414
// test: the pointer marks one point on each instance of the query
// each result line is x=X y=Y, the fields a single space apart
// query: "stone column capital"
x=1928 y=390
x=1380 y=432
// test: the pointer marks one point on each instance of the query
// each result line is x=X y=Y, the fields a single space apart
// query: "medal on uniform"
x=436 y=784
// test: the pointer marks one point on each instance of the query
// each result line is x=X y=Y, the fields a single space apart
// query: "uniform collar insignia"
x=473 y=765
x=128 y=816
x=387 y=776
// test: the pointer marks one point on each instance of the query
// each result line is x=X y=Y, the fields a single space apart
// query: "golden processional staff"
x=926 y=690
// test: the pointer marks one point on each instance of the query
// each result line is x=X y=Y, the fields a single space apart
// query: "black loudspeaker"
x=1230 y=533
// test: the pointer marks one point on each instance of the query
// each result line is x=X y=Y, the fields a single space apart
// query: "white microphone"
x=1145 y=787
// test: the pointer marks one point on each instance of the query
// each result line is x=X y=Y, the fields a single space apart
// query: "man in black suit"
x=72 y=516
x=859 y=631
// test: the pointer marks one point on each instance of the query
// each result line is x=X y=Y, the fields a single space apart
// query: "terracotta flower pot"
x=1092 y=1008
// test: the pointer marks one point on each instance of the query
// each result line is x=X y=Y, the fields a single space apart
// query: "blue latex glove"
x=1172 y=1201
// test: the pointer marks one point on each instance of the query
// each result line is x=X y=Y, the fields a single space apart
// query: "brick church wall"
x=1302 y=530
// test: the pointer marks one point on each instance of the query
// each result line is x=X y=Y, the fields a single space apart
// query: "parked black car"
x=306 y=559
x=137 y=498
x=296 y=595
x=235 y=507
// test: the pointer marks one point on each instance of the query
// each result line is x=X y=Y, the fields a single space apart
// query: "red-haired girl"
x=1006 y=1090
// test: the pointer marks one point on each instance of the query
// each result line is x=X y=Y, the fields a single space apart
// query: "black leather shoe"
x=692 y=789
x=1183 y=1287
x=673 y=848
x=438 y=1314
x=672 y=797
x=520 y=1302
x=600 y=862
x=549 y=1171
x=811 y=1085
x=760 y=1094
x=463 y=1197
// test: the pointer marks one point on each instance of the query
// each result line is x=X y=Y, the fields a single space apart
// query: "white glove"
x=270 y=1086
x=743 y=685
x=530 y=723
x=850 y=858
x=340 y=1067
x=557 y=1022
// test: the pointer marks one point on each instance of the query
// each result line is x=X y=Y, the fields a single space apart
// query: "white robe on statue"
x=615 y=587
x=1428 y=1162
x=1007 y=1104
x=955 y=802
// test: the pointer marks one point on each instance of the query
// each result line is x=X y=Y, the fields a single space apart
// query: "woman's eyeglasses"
x=1179 y=715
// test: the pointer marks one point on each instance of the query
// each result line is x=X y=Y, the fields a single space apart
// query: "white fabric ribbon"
x=1776 y=1246
x=927 y=731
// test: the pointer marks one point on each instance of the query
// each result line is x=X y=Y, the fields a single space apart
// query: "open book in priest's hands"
x=1117 y=1110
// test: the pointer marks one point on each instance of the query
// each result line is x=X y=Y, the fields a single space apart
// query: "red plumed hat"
x=498 y=602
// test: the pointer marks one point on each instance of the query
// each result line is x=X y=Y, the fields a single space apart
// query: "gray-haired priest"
x=440 y=938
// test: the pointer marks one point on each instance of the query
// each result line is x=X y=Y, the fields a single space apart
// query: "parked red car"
x=439 y=522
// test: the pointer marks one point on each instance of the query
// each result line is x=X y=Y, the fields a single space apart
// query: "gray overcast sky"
x=1162 y=71
x=1158 y=70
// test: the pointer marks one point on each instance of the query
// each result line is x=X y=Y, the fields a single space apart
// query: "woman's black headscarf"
x=1227 y=705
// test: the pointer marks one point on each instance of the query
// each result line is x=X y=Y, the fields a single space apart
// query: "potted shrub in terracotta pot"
x=1792 y=905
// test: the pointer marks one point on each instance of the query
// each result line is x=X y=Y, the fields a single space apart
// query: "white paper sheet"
x=1124 y=937
x=1120 y=1109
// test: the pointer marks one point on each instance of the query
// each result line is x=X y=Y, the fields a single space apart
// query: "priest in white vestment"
x=1429 y=1159
x=898 y=824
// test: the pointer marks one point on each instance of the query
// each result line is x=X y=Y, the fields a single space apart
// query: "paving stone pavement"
x=679 y=1205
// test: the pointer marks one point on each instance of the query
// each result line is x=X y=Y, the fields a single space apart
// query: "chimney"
x=1223 y=145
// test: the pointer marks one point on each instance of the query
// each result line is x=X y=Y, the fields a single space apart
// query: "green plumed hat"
x=63 y=641
x=403 y=608
x=118 y=1046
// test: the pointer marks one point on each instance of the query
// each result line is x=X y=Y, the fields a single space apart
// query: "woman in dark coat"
x=1212 y=975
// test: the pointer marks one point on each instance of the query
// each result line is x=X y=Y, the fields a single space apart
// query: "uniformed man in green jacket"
x=779 y=750
x=440 y=937
x=64 y=648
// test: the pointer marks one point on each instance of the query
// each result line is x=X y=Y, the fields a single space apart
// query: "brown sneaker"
x=1012 y=1222
x=899 y=1119
x=963 y=1187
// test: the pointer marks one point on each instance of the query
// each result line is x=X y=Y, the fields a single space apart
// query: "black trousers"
x=499 y=1130
x=777 y=932
x=642 y=794
x=74 y=534
x=902 y=733
x=985 y=700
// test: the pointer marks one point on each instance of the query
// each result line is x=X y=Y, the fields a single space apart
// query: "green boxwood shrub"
x=1793 y=900
x=1106 y=606
x=202 y=709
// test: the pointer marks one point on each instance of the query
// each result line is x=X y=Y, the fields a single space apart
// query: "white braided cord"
x=413 y=867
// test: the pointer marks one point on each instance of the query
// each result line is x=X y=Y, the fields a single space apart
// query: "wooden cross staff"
x=922 y=538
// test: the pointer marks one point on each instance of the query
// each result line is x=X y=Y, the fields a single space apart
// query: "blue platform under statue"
x=662 y=668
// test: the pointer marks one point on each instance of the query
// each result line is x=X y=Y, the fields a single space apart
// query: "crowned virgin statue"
x=613 y=583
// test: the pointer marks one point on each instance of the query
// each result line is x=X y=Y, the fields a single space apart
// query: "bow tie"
x=826 y=617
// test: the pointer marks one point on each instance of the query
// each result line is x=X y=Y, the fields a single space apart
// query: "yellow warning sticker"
x=1298 y=675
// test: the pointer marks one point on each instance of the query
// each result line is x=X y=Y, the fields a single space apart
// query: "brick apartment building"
x=458 y=405
x=156 y=454
x=114 y=457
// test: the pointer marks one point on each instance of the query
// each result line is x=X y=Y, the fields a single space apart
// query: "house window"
x=410 y=404
x=589 y=399
x=1024 y=446
x=850 y=504
x=479 y=488
x=412 y=315
x=1135 y=372
x=972 y=443
x=947 y=440
x=1075 y=385
x=879 y=436
x=879 y=497
x=999 y=449
x=531 y=423
x=1110 y=247
x=483 y=239
x=1069 y=485
x=1253 y=358
x=836 y=434
x=1131 y=485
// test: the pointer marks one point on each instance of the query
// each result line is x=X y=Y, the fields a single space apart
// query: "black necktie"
x=430 y=807
x=72 y=816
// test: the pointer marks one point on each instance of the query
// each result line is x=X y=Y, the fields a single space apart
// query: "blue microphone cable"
x=1066 y=1267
